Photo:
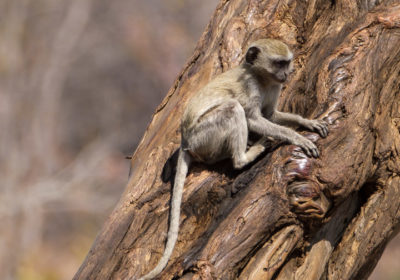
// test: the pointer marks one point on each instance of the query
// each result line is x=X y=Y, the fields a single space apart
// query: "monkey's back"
x=226 y=86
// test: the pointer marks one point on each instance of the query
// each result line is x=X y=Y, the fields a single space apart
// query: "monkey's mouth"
x=280 y=78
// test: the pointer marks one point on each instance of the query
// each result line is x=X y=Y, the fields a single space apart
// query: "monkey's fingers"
x=315 y=152
x=310 y=149
x=326 y=131
x=311 y=152
x=322 y=128
x=308 y=152
x=318 y=126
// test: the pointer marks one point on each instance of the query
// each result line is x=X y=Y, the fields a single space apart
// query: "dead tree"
x=286 y=216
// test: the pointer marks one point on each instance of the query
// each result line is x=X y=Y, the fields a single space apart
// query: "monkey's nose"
x=283 y=78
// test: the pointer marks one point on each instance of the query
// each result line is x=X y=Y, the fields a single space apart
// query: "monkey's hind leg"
x=222 y=133
x=238 y=140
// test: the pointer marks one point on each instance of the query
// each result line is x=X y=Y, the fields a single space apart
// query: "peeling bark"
x=286 y=216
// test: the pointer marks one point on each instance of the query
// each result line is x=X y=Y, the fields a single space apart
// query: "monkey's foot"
x=254 y=151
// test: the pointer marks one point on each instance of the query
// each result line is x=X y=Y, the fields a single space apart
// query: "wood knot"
x=307 y=200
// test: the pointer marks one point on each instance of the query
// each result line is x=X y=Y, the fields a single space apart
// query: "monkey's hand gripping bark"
x=318 y=126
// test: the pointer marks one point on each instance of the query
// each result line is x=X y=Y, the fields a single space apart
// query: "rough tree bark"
x=286 y=216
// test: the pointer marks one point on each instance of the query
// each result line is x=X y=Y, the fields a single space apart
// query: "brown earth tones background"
x=79 y=81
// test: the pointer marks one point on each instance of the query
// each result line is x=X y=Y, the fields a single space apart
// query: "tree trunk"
x=286 y=216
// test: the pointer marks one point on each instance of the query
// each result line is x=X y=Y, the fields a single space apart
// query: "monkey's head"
x=272 y=58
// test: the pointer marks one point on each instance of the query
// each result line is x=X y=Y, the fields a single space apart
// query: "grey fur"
x=217 y=119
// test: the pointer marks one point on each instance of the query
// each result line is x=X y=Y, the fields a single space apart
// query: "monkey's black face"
x=276 y=75
x=281 y=69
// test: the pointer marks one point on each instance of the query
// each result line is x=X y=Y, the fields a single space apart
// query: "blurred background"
x=79 y=81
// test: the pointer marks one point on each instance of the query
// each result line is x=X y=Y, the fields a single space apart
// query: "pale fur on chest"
x=263 y=96
x=270 y=95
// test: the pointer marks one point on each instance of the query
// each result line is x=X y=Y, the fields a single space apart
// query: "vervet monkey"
x=217 y=120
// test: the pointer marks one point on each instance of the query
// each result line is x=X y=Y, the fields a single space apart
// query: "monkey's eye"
x=281 y=63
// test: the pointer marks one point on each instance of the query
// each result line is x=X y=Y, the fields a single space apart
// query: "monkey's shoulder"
x=237 y=83
x=230 y=84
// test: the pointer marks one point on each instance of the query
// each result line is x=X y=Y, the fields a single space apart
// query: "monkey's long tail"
x=181 y=172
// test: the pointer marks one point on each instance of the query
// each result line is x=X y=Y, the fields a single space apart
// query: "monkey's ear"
x=252 y=54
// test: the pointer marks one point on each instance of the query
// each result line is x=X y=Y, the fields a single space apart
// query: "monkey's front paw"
x=319 y=126
x=308 y=147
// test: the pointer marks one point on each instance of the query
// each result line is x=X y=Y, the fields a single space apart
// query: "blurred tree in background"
x=79 y=81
